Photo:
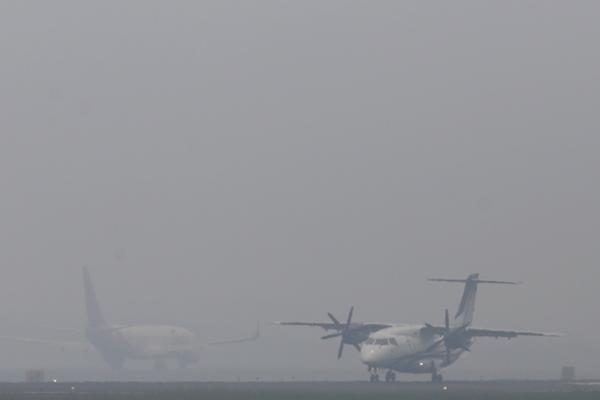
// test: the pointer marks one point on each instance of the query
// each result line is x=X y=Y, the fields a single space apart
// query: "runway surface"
x=303 y=390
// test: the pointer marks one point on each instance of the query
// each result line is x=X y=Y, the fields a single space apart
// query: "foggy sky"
x=215 y=163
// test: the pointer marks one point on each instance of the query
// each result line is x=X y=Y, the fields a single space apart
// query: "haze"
x=215 y=163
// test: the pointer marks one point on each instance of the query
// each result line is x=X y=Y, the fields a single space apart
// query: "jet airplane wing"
x=247 y=339
x=63 y=345
x=61 y=328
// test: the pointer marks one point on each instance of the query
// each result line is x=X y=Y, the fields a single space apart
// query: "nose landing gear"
x=390 y=376
x=374 y=374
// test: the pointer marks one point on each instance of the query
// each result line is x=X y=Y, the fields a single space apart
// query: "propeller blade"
x=447 y=336
x=447 y=323
x=341 y=349
x=349 y=317
x=331 y=336
x=335 y=321
x=357 y=347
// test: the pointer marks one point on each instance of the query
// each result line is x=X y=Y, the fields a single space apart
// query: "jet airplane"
x=151 y=342
x=416 y=348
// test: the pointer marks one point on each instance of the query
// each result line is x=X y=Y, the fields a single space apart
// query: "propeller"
x=449 y=341
x=344 y=330
x=447 y=337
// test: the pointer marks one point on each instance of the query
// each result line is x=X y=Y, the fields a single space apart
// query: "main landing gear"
x=436 y=377
x=390 y=376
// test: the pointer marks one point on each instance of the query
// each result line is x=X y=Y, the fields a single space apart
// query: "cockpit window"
x=370 y=341
x=381 y=342
x=393 y=341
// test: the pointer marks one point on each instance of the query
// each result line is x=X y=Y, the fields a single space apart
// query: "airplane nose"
x=377 y=356
x=370 y=355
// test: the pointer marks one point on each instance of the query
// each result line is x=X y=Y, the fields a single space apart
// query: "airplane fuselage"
x=408 y=349
x=159 y=342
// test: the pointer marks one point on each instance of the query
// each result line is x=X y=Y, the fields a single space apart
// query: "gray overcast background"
x=213 y=163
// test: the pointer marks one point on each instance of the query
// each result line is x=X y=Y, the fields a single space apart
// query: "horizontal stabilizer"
x=473 y=280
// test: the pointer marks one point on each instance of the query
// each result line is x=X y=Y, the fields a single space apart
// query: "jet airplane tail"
x=95 y=318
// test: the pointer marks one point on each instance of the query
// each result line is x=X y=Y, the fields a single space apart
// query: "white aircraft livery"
x=416 y=348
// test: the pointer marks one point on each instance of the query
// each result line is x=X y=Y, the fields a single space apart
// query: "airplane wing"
x=325 y=325
x=495 y=333
x=61 y=328
x=256 y=336
x=62 y=345
x=482 y=332
x=368 y=327
x=376 y=326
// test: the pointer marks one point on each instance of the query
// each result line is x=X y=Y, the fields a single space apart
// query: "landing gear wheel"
x=437 y=378
x=390 y=376
x=374 y=378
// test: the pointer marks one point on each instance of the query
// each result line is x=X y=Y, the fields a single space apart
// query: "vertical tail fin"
x=95 y=318
x=464 y=315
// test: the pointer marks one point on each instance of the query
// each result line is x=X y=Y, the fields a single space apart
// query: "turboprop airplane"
x=151 y=342
x=416 y=348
